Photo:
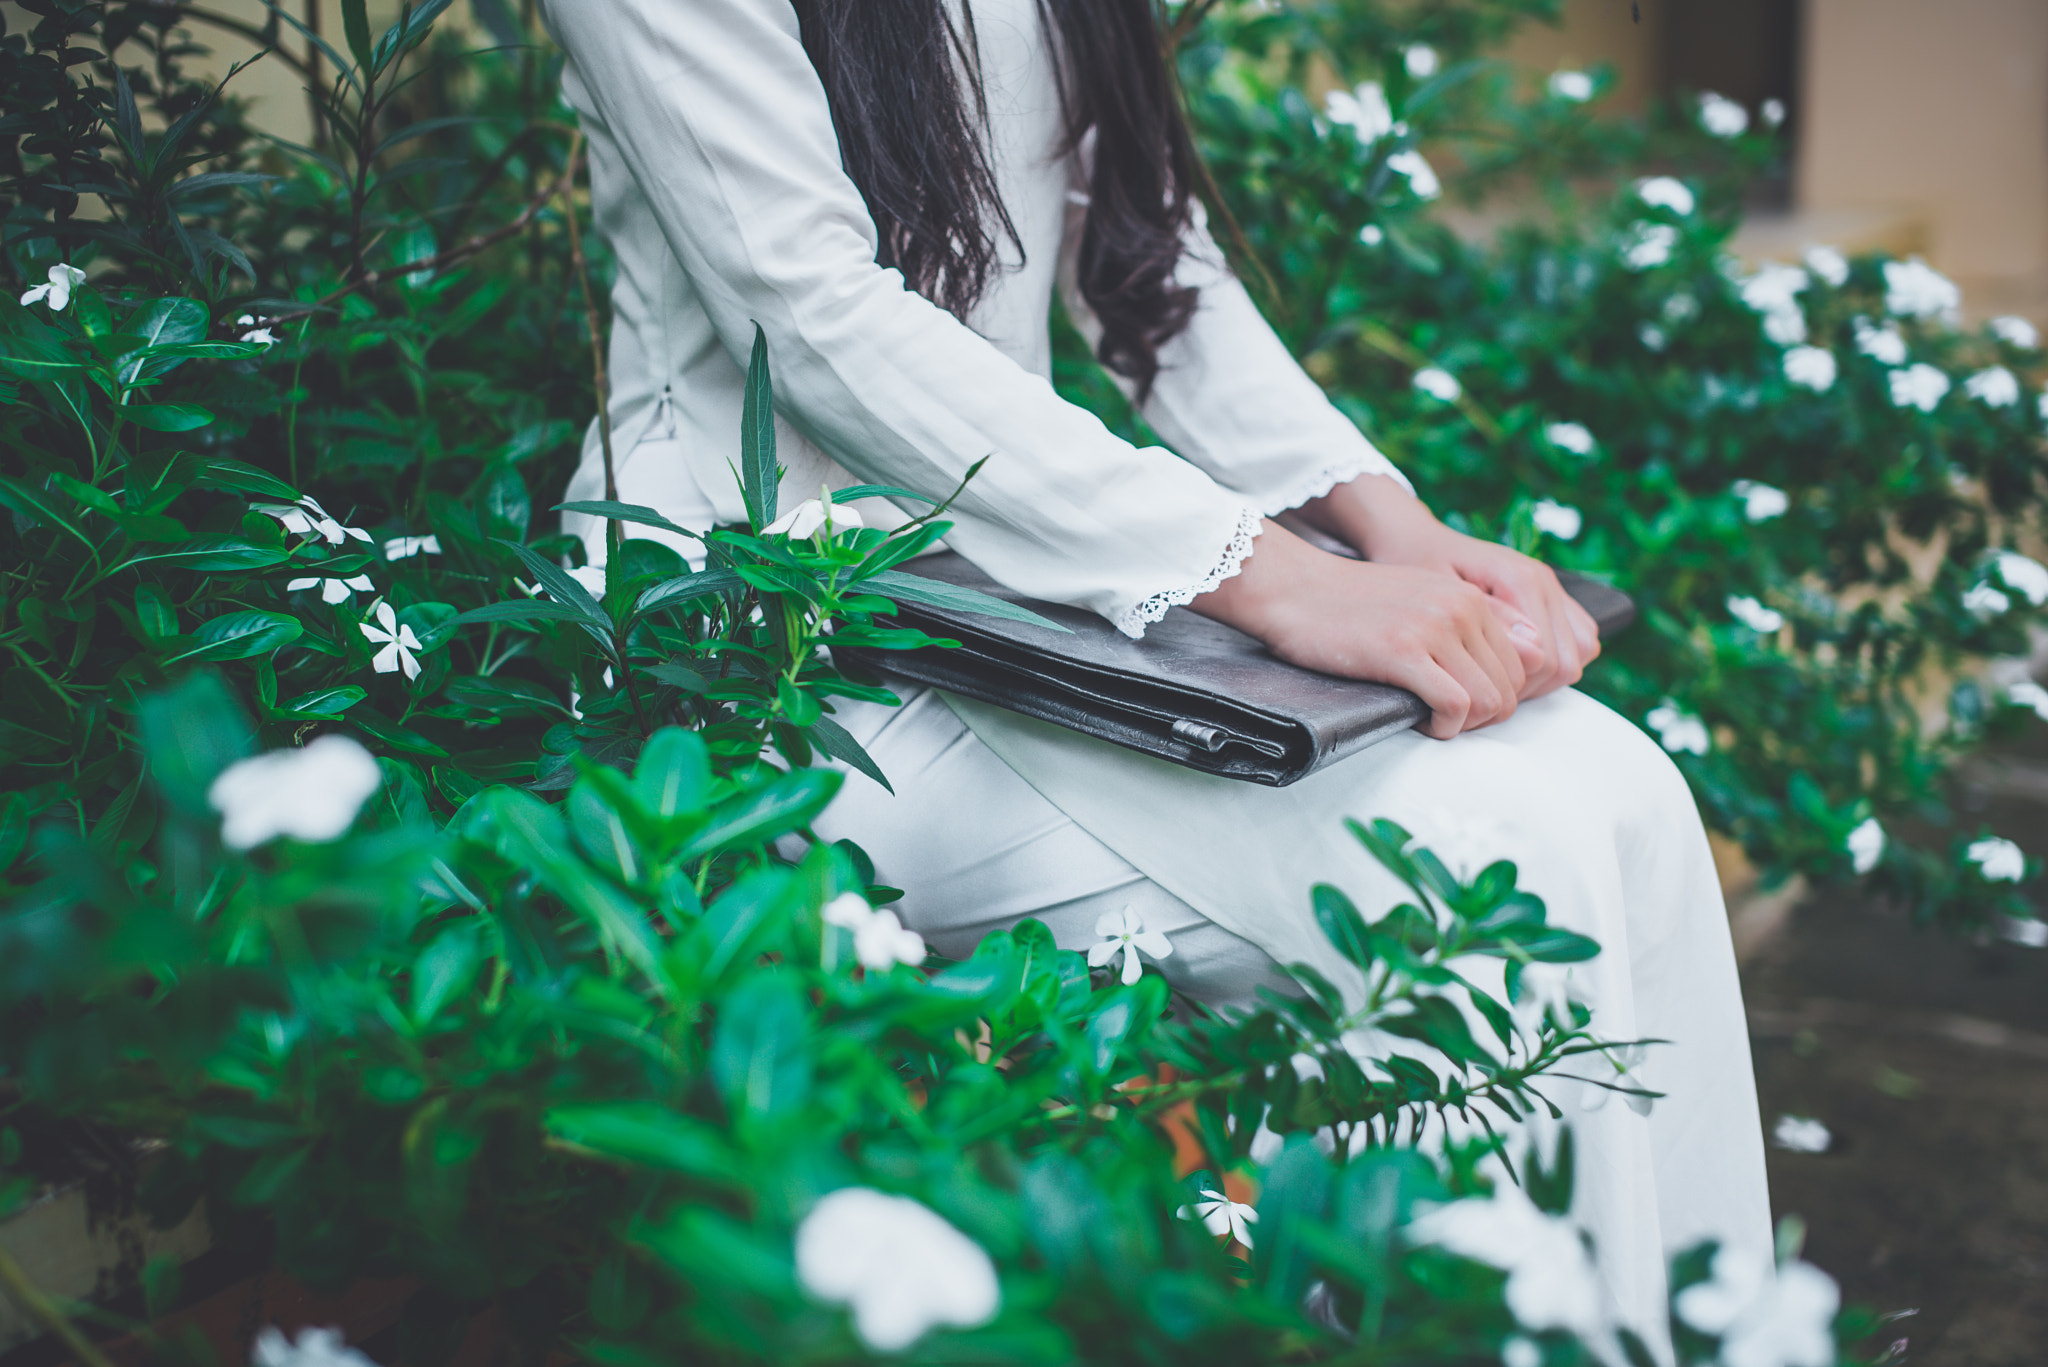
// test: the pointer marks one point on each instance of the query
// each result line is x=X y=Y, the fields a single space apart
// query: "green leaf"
x=774 y=809
x=675 y=676
x=704 y=584
x=245 y=479
x=853 y=493
x=836 y=741
x=239 y=635
x=167 y=417
x=673 y=774
x=325 y=702
x=519 y=610
x=355 y=23
x=648 y=1134
x=561 y=587
x=217 y=555
x=626 y=512
x=913 y=588
x=159 y=323
x=760 y=477
x=189 y=734
x=445 y=970
x=1342 y=925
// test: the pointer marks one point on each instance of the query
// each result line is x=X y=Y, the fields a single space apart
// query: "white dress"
x=716 y=179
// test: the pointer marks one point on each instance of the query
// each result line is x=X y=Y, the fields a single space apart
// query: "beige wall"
x=1599 y=31
x=1938 y=108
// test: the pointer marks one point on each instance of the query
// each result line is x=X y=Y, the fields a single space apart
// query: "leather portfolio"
x=1193 y=691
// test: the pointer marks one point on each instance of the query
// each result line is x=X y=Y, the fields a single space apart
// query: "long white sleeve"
x=1232 y=399
x=715 y=111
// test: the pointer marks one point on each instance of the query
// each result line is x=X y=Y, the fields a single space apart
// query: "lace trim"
x=1367 y=462
x=1134 y=622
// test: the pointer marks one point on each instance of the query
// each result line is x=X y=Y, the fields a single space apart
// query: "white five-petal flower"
x=1761 y=502
x=1560 y=520
x=1774 y=293
x=2023 y=575
x=1648 y=245
x=1573 y=87
x=1920 y=386
x=2026 y=693
x=1220 y=1215
x=309 y=794
x=1124 y=931
x=1364 y=110
x=1764 y=1318
x=1680 y=732
x=1721 y=116
x=332 y=590
x=2029 y=931
x=1998 y=859
x=1985 y=601
x=900 y=1267
x=2015 y=331
x=1570 y=436
x=1829 y=264
x=62 y=279
x=1914 y=289
x=315 y=1348
x=1421 y=60
x=308 y=518
x=1865 y=845
x=1885 y=345
x=405 y=547
x=1438 y=383
x=879 y=940
x=1551 y=1281
x=1811 y=367
x=1665 y=192
x=400 y=646
x=1754 y=615
x=1801 y=1134
x=1996 y=387
x=1421 y=175
x=259 y=333
x=810 y=517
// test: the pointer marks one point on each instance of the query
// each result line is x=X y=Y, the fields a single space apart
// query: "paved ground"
x=1927 y=1059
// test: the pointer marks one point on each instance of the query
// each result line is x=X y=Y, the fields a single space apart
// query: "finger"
x=1483 y=676
x=1584 y=630
x=1562 y=648
x=1496 y=653
x=1535 y=645
x=1448 y=702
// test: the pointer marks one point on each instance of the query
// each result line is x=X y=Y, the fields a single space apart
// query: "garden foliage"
x=524 y=978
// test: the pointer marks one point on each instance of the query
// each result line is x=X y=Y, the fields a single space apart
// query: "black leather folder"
x=1193 y=691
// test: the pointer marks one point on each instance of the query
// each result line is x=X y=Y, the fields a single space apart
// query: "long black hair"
x=907 y=100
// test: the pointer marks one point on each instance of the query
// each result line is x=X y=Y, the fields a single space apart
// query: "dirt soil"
x=1927 y=1059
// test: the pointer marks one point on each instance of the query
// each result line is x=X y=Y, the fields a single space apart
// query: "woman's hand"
x=1554 y=636
x=1436 y=635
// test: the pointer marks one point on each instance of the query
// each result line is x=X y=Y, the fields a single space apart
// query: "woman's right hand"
x=1428 y=632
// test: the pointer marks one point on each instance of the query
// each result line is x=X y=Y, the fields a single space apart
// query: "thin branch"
x=37 y=1307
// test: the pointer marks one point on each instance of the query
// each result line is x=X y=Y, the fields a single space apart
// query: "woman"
x=893 y=190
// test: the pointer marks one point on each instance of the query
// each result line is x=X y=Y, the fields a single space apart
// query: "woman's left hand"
x=1555 y=637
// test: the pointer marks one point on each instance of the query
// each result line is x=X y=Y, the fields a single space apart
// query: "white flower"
x=1919 y=386
x=400 y=645
x=1438 y=384
x=1865 y=845
x=259 y=330
x=1125 y=930
x=308 y=794
x=1997 y=386
x=1520 y=1352
x=2027 y=693
x=809 y=517
x=1665 y=192
x=308 y=518
x=879 y=940
x=1773 y=112
x=1560 y=520
x=63 y=280
x=1364 y=110
x=1914 y=289
x=315 y=1348
x=1576 y=87
x=1998 y=859
x=1421 y=178
x=1652 y=337
x=902 y=1269
x=1754 y=615
x=1421 y=61
x=1985 y=601
x=1761 y=502
x=2015 y=331
x=1372 y=235
x=1829 y=264
x=591 y=577
x=332 y=590
x=1722 y=117
x=1764 y=1320
x=1648 y=245
x=405 y=547
x=1220 y=1215
x=1811 y=367
x=1801 y=1134
x=1885 y=345
x=2024 y=930
x=2022 y=575
x=1774 y=292
x=1570 y=436
x=1681 y=732
x=1551 y=1282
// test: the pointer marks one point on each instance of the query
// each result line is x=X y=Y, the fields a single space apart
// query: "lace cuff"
x=1134 y=622
x=1365 y=462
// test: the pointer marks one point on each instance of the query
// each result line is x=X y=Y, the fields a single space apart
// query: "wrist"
x=1376 y=515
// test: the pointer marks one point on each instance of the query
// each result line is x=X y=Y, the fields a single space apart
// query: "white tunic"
x=716 y=178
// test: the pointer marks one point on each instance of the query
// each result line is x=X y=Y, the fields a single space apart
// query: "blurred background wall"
x=1914 y=125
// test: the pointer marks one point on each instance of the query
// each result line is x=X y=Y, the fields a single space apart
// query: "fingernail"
x=1525 y=633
